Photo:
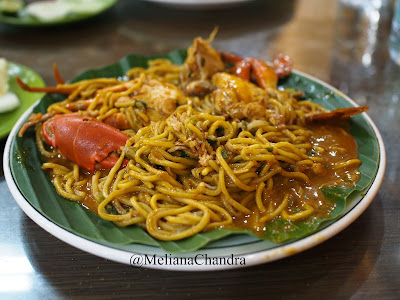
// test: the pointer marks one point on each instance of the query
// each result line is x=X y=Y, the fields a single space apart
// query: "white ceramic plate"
x=228 y=253
x=200 y=4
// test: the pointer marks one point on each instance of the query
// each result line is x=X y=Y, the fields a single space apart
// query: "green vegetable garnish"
x=225 y=154
x=111 y=209
x=183 y=154
x=212 y=142
x=142 y=104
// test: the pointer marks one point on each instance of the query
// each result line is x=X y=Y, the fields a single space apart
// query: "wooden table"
x=343 y=45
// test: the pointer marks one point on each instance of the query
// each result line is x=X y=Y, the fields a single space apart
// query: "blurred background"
x=351 y=44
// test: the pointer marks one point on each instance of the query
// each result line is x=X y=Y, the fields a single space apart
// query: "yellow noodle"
x=299 y=215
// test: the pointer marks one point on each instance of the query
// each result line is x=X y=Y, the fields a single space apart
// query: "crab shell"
x=84 y=140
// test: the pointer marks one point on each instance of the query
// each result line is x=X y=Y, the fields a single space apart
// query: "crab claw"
x=86 y=141
x=264 y=75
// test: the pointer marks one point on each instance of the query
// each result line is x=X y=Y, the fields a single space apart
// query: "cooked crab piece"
x=202 y=62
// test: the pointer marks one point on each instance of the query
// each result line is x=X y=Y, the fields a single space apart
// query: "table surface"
x=340 y=43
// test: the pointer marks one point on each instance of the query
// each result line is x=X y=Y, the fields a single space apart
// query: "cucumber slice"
x=85 y=6
x=3 y=76
x=8 y=102
x=59 y=9
x=48 y=10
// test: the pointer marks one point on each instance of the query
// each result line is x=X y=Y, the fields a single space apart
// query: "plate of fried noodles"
x=199 y=156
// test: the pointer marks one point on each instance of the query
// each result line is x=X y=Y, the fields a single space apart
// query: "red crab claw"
x=242 y=69
x=265 y=75
x=241 y=66
x=86 y=141
x=283 y=65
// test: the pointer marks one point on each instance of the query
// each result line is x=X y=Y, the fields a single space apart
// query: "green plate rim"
x=32 y=22
x=27 y=99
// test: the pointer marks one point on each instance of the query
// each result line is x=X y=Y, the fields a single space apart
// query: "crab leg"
x=51 y=89
x=264 y=75
x=57 y=74
x=341 y=113
x=118 y=120
x=231 y=58
x=33 y=120
x=282 y=65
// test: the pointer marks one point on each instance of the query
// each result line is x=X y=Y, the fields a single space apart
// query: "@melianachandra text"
x=139 y=260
